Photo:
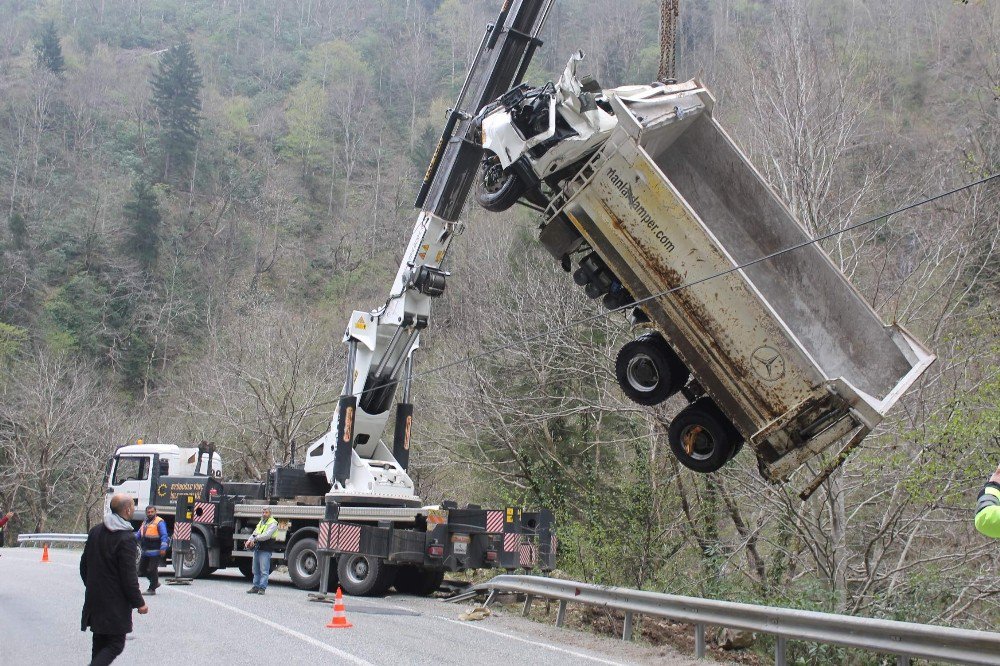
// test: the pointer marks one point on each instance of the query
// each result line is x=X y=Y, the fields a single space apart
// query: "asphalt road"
x=214 y=622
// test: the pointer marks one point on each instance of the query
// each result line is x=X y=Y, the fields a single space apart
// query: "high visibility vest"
x=150 y=534
x=263 y=524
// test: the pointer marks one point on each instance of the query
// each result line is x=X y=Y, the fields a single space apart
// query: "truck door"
x=131 y=476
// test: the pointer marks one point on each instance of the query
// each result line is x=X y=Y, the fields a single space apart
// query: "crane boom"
x=359 y=466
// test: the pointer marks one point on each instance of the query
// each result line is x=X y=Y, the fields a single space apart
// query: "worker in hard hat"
x=988 y=507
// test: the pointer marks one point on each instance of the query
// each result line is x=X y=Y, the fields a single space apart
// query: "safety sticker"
x=494 y=522
x=204 y=512
x=182 y=532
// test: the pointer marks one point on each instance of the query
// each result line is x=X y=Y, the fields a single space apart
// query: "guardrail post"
x=561 y=613
x=903 y=660
x=627 y=629
x=527 y=605
x=779 y=652
x=699 y=641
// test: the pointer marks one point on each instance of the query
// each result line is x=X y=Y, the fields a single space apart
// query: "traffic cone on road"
x=339 y=620
x=45 y=553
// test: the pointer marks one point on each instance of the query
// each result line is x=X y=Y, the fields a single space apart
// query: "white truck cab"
x=154 y=474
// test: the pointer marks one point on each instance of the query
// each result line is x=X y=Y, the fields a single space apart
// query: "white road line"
x=274 y=625
x=525 y=640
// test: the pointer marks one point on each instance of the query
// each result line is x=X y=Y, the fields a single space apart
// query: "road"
x=213 y=621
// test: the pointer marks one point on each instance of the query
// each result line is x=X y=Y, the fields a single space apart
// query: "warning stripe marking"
x=511 y=542
x=204 y=512
x=182 y=532
x=494 y=522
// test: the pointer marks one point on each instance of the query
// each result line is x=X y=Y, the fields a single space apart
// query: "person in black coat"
x=108 y=571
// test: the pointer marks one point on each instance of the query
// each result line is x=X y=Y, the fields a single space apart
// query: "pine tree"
x=48 y=51
x=142 y=213
x=177 y=97
x=18 y=231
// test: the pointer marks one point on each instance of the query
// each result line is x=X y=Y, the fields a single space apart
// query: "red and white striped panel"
x=182 y=532
x=527 y=555
x=553 y=546
x=204 y=512
x=349 y=540
x=324 y=536
x=494 y=522
x=511 y=542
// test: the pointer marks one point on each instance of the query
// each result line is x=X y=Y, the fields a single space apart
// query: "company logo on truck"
x=768 y=363
x=645 y=218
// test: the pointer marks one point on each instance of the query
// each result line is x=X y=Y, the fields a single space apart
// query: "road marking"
x=525 y=640
x=274 y=625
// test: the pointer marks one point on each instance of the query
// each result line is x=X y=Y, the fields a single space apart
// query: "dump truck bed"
x=786 y=347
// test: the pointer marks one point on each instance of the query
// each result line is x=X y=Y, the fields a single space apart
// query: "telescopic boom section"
x=357 y=464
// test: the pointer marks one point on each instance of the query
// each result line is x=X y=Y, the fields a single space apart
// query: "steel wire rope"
x=602 y=315
x=536 y=336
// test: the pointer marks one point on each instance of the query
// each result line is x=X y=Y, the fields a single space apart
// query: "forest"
x=194 y=196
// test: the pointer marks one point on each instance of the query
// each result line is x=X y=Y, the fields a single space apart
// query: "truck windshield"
x=131 y=468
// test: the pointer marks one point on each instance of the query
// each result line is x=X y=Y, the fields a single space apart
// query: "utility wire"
x=530 y=338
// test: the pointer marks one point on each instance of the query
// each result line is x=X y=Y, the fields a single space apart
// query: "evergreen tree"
x=48 y=51
x=18 y=231
x=142 y=213
x=177 y=97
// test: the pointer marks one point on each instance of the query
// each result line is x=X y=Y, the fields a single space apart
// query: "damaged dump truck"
x=654 y=208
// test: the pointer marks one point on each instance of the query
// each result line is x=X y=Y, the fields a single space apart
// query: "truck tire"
x=196 y=559
x=303 y=564
x=364 y=575
x=418 y=582
x=497 y=189
x=649 y=371
x=245 y=565
x=702 y=438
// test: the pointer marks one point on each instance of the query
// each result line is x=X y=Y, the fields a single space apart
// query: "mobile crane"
x=352 y=504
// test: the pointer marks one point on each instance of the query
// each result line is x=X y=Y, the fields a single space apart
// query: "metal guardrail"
x=51 y=538
x=906 y=640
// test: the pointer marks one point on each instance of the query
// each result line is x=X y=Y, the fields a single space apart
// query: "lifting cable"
x=537 y=336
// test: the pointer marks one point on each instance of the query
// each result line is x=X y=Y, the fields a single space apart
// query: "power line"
x=880 y=218
x=530 y=338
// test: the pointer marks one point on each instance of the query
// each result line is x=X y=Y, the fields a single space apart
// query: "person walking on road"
x=108 y=572
x=262 y=542
x=153 y=539
x=988 y=507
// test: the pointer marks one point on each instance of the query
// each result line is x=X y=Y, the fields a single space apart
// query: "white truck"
x=664 y=217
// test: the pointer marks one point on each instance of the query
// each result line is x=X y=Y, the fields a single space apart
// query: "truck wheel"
x=245 y=565
x=196 y=559
x=649 y=371
x=303 y=564
x=497 y=189
x=418 y=582
x=701 y=437
x=363 y=575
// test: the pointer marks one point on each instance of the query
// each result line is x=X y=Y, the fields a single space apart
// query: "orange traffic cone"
x=339 y=620
x=45 y=553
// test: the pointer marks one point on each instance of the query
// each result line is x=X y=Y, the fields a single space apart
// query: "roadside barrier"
x=906 y=640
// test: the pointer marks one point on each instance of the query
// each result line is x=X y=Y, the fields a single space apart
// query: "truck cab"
x=155 y=474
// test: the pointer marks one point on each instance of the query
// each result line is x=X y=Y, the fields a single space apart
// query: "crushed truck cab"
x=670 y=219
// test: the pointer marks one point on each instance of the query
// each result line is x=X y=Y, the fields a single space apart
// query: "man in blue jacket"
x=153 y=540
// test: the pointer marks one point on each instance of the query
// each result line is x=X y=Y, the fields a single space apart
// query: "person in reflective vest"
x=262 y=542
x=988 y=507
x=153 y=540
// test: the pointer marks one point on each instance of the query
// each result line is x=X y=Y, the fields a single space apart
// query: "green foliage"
x=18 y=227
x=177 y=97
x=12 y=339
x=142 y=216
x=306 y=141
x=48 y=50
